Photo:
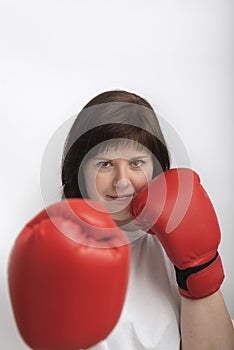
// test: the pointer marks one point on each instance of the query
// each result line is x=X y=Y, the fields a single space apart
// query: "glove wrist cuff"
x=200 y=281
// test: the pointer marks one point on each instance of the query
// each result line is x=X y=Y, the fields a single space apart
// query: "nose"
x=121 y=179
x=122 y=184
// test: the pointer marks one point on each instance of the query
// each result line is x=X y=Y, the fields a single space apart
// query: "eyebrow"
x=109 y=158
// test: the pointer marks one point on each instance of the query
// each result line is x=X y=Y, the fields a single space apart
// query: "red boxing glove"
x=177 y=209
x=68 y=275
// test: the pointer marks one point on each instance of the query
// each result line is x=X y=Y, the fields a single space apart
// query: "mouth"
x=121 y=198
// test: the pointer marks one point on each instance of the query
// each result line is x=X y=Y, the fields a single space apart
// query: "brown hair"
x=111 y=115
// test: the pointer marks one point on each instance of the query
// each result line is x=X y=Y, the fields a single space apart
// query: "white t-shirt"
x=150 y=317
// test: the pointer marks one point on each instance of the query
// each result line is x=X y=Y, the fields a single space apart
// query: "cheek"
x=90 y=183
x=142 y=180
x=96 y=185
x=101 y=184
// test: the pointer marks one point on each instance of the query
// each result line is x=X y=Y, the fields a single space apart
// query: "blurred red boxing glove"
x=68 y=275
x=176 y=208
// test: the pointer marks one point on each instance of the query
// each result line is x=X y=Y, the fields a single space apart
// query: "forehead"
x=126 y=149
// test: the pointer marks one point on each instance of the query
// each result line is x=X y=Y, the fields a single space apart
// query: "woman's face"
x=115 y=175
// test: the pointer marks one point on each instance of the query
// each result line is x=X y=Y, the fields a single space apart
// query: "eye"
x=104 y=164
x=137 y=163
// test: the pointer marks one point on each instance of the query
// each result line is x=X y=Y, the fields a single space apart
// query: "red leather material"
x=178 y=210
x=68 y=276
x=205 y=282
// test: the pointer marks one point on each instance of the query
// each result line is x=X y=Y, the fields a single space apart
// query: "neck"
x=127 y=225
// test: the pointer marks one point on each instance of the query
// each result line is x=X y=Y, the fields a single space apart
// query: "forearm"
x=206 y=324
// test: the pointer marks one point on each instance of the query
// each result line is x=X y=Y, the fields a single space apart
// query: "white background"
x=58 y=54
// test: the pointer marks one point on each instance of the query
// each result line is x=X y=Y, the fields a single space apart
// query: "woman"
x=114 y=149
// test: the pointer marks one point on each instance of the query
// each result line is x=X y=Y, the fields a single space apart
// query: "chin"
x=122 y=214
x=122 y=219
